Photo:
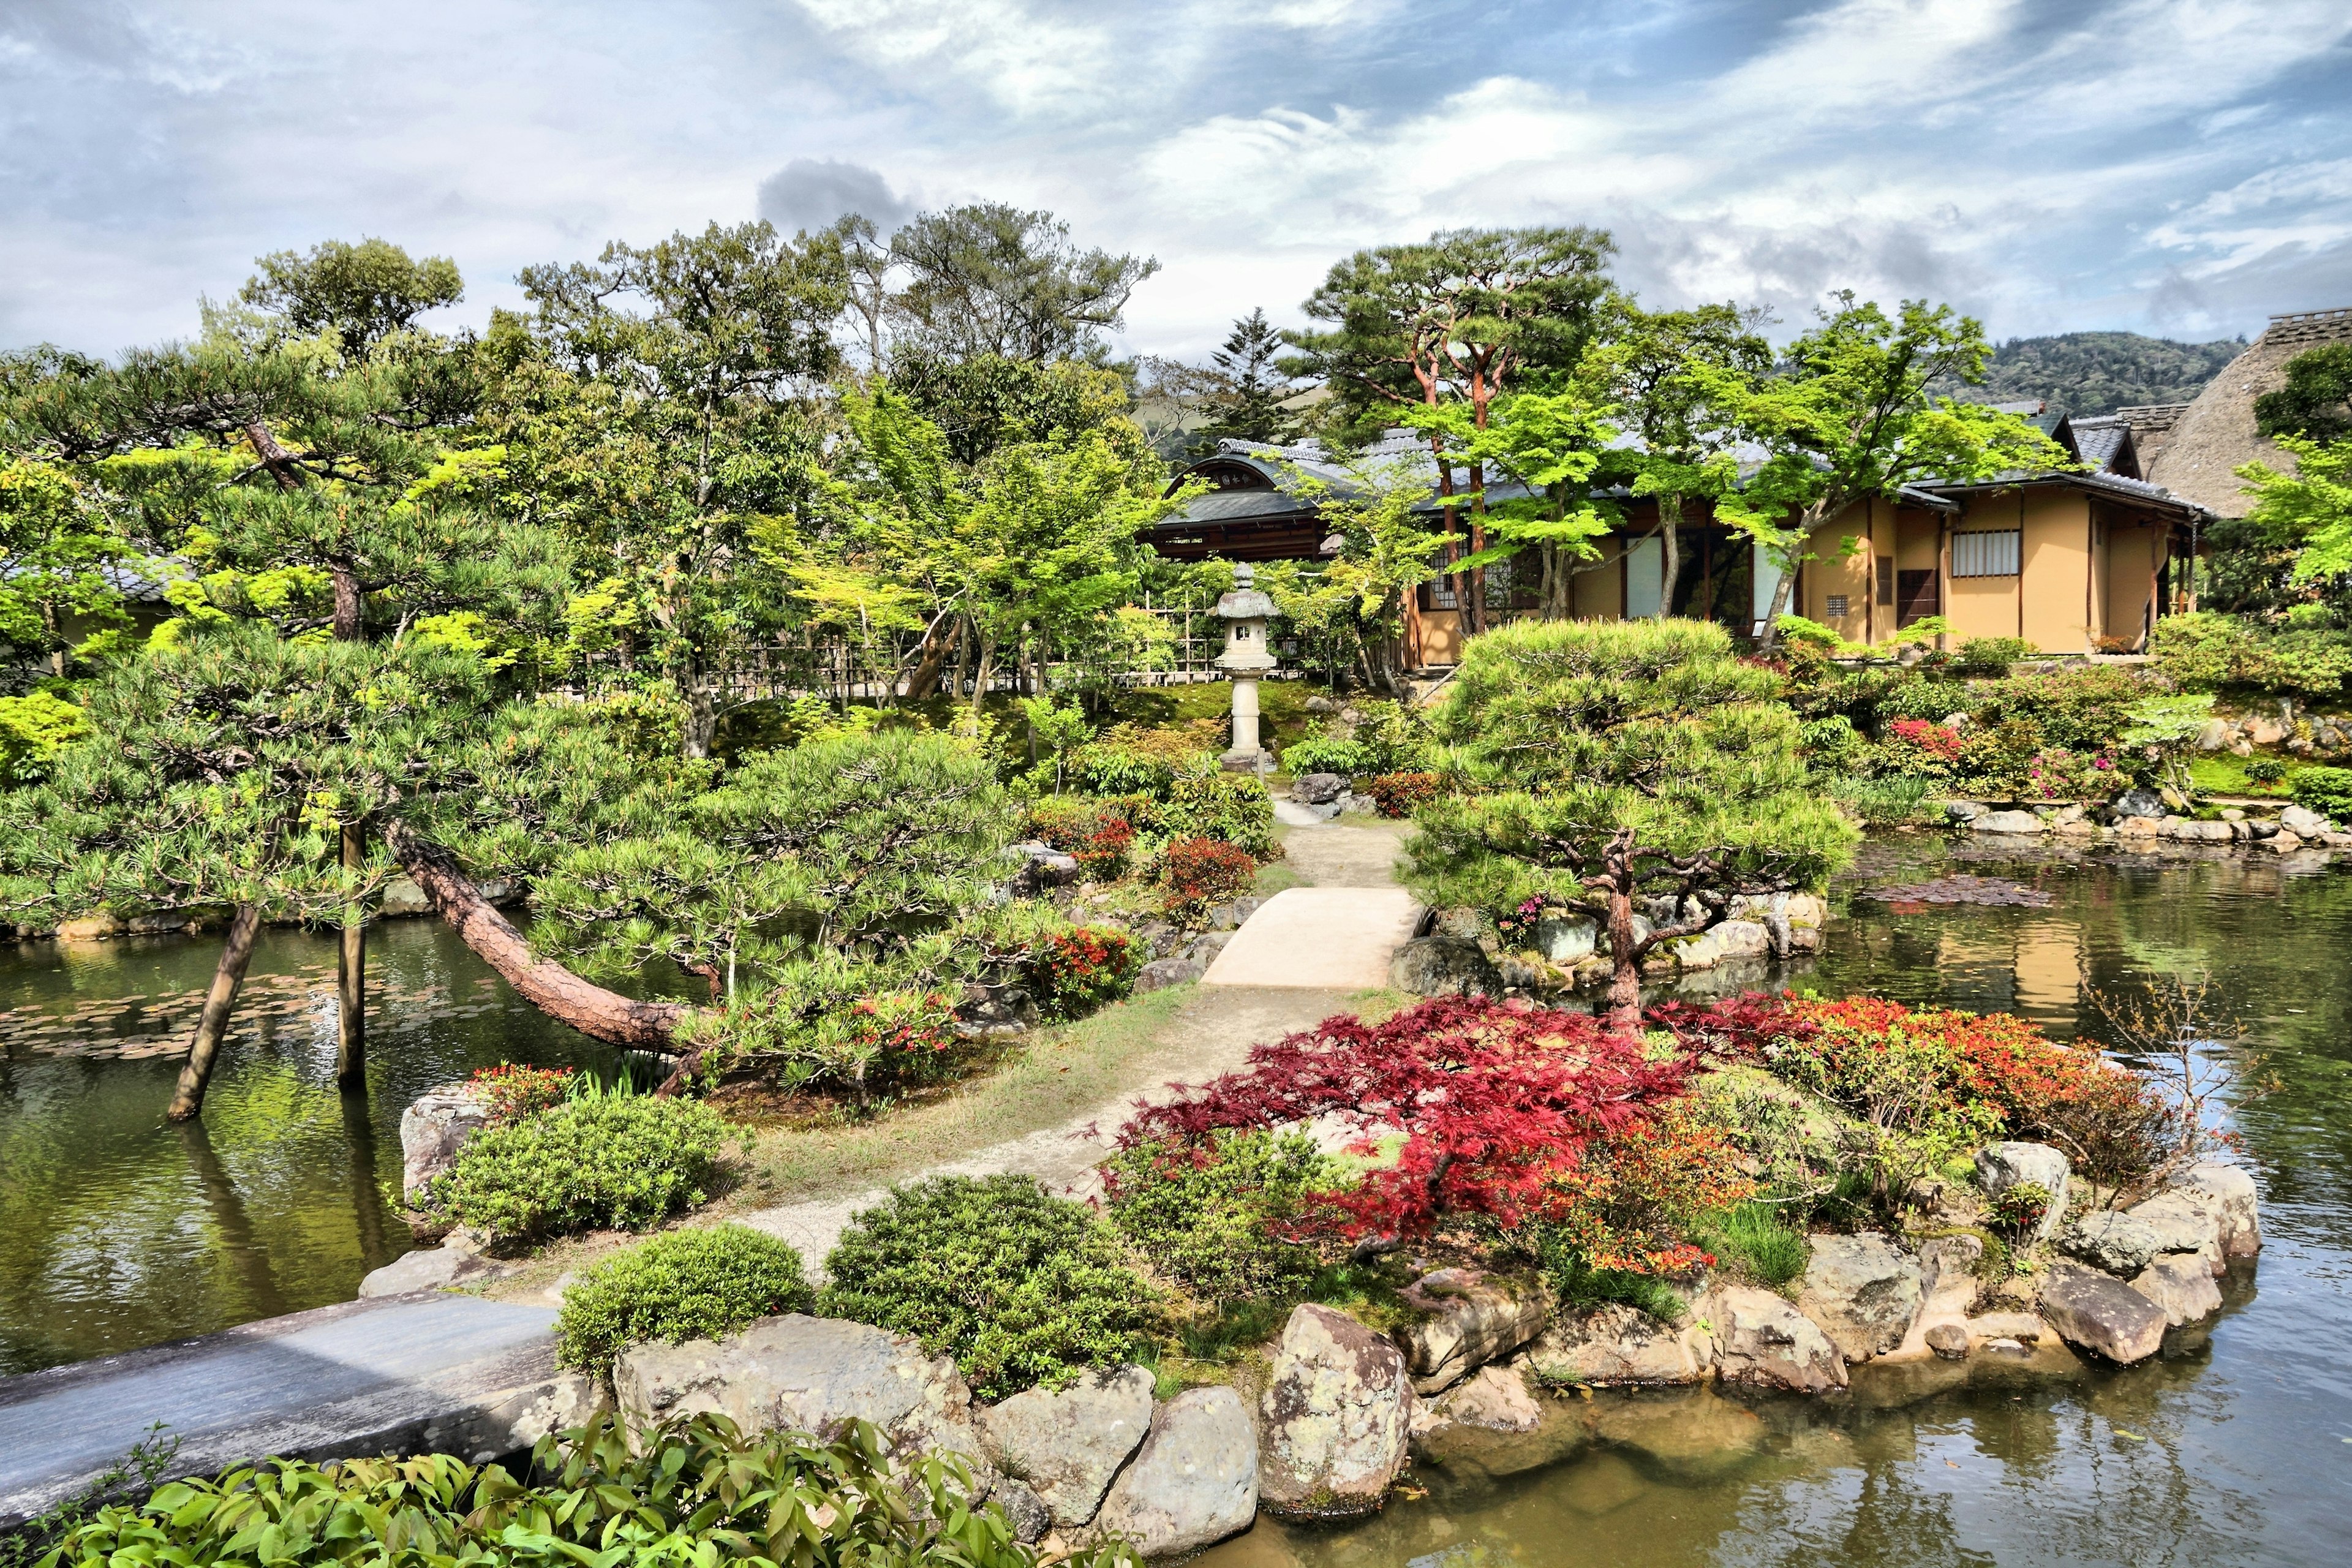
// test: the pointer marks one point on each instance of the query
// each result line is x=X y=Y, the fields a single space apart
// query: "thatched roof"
x=2215 y=435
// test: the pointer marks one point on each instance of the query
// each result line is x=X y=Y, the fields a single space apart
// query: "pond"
x=2235 y=1447
x=118 y=1230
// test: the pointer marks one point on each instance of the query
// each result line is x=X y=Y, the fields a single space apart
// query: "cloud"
x=810 y=193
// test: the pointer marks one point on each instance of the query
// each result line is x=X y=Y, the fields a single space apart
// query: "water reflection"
x=2234 y=1448
x=118 y=1230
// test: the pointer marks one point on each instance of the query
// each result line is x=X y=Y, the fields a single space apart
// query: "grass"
x=1052 y=1076
x=1272 y=879
x=2218 y=773
x=1754 y=1240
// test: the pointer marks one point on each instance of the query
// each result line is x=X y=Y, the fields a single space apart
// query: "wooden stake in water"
x=236 y=951
x=351 y=972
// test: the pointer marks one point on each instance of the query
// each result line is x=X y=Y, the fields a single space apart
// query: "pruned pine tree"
x=812 y=879
x=1638 y=770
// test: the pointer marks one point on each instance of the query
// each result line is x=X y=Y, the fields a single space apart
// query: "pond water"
x=2234 y=1448
x=118 y=1230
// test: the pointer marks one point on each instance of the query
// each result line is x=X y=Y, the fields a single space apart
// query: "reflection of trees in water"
x=239 y=1248
x=368 y=1213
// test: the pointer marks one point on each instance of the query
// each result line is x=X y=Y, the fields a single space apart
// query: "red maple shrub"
x=1201 y=873
x=1496 y=1102
x=1397 y=793
x=1073 y=972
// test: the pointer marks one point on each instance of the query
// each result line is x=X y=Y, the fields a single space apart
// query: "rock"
x=2214 y=734
x=1862 y=1291
x=2180 y=1285
x=1617 y=1345
x=1436 y=965
x=2139 y=803
x=1494 y=1399
x=2192 y=832
x=2230 y=1192
x=158 y=923
x=1230 y=917
x=2104 y=1316
x=427 y=1269
x=1949 y=1340
x=1762 y=1341
x=1192 y=1483
x=1165 y=971
x=2112 y=1243
x=2001 y=1166
x=2022 y=1327
x=1024 y=1510
x=1726 y=940
x=1320 y=704
x=2138 y=826
x=1565 y=939
x=2299 y=820
x=1067 y=1444
x=434 y=1125
x=2266 y=732
x=2006 y=822
x=1965 y=810
x=402 y=899
x=1043 y=867
x=1335 y=1419
x=1948 y=1272
x=1691 y=1434
x=1467 y=1318
x=807 y=1374
x=90 y=927
x=2184 y=1220
x=1319 y=789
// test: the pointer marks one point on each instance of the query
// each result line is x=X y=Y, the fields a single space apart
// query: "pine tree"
x=1636 y=769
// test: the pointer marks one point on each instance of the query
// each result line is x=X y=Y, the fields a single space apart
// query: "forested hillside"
x=2098 y=373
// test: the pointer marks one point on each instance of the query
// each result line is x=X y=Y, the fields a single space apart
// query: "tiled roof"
x=2098 y=440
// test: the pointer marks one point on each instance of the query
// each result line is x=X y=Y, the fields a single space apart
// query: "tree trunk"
x=1625 y=984
x=701 y=721
x=554 y=990
x=351 y=973
x=236 y=951
x=980 y=678
x=933 y=657
x=347 y=601
x=1670 y=523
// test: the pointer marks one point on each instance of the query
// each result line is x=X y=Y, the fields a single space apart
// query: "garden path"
x=1210 y=1034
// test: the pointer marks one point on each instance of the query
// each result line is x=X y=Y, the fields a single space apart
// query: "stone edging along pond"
x=1324 y=1422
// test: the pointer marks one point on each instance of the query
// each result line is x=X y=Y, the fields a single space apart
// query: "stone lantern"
x=1245 y=611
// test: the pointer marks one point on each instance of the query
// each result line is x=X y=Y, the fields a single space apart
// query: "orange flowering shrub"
x=1201 y=873
x=1078 y=970
x=1628 y=1199
x=515 y=1091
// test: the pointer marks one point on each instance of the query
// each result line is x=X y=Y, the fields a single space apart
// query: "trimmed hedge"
x=689 y=1285
x=622 y=1163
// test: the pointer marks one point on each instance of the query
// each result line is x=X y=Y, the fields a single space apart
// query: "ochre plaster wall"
x=1600 y=593
x=2131 y=556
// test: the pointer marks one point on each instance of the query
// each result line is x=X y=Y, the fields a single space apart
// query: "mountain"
x=2098 y=373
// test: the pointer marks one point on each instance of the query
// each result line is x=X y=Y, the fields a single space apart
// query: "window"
x=1834 y=606
x=1985 y=554
x=1887 y=579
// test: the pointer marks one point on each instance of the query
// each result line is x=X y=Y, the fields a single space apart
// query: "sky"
x=2181 y=167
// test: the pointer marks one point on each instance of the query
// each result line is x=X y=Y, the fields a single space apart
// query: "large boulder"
x=1068 y=1444
x=2112 y=1243
x=2139 y=803
x=2001 y=1166
x=2303 y=822
x=1192 y=1483
x=1862 y=1291
x=429 y=1268
x=2229 y=1191
x=1443 y=966
x=2185 y=1220
x=1762 y=1341
x=1723 y=941
x=2094 y=1312
x=2181 y=1285
x=1335 y=1419
x=1319 y=789
x=806 y=1374
x=432 y=1128
x=1617 y=1345
x=2008 y=822
x=1465 y=1318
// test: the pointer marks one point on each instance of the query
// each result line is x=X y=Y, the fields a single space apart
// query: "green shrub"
x=1019 y=1287
x=1832 y=745
x=1316 y=752
x=1232 y=807
x=1395 y=734
x=1885 y=803
x=699 y=1492
x=2327 y=790
x=2213 y=652
x=1214 y=1219
x=1991 y=656
x=623 y=1161
x=689 y=1285
x=1578 y=1284
x=2265 y=770
x=1752 y=1239
x=34 y=728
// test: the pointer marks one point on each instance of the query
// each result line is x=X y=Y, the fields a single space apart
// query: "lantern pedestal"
x=1245 y=612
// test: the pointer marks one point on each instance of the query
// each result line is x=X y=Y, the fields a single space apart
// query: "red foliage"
x=1624 y=1205
x=1096 y=832
x=1103 y=852
x=1396 y=794
x=1078 y=970
x=1200 y=873
x=1495 y=1100
x=901 y=1024
x=515 y=1091
x=1932 y=740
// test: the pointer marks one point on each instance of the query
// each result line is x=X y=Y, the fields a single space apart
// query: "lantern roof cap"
x=1247 y=602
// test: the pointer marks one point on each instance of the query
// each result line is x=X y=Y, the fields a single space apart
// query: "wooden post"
x=236 y=951
x=351 y=972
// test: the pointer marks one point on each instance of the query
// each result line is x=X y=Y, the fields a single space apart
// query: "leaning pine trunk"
x=554 y=990
x=235 y=953
x=1625 y=985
